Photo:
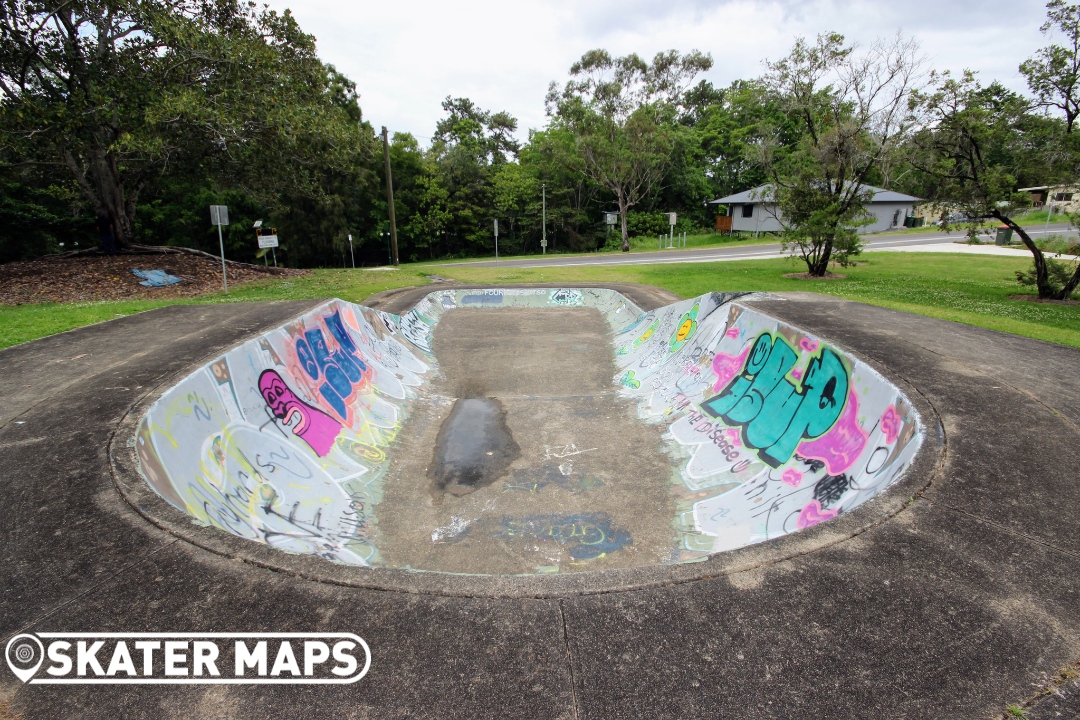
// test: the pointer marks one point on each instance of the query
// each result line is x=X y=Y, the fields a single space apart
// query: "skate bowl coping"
x=344 y=435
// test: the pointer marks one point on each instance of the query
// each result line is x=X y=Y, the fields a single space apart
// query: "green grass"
x=971 y=289
x=22 y=323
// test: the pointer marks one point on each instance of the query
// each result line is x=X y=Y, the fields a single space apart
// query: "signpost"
x=671 y=235
x=610 y=219
x=219 y=215
x=496 y=243
x=543 y=233
x=351 y=252
x=267 y=239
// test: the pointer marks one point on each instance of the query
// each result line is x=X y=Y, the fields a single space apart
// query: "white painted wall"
x=764 y=218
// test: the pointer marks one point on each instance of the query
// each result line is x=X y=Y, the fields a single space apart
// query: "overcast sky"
x=407 y=55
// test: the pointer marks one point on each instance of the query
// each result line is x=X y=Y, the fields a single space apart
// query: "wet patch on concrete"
x=473 y=449
x=592 y=486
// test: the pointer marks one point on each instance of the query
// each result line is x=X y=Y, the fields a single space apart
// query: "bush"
x=1058 y=273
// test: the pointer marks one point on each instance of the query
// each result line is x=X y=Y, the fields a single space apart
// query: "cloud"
x=406 y=56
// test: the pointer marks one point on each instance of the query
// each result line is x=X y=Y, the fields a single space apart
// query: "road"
x=723 y=253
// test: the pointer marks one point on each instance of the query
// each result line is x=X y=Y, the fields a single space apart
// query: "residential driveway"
x=952 y=595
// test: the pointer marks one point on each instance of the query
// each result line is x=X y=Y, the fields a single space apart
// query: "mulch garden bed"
x=808 y=276
x=99 y=277
x=1037 y=299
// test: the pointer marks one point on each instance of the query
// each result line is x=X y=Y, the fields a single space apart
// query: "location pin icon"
x=24 y=654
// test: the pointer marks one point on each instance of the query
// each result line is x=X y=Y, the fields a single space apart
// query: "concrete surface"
x=590 y=475
x=958 y=602
x=651 y=437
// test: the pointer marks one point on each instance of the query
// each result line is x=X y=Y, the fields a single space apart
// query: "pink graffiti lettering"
x=891 y=422
x=314 y=427
x=812 y=514
x=841 y=446
x=810 y=346
x=727 y=367
x=792 y=477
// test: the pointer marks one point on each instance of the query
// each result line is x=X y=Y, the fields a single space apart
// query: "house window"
x=1063 y=197
x=748 y=210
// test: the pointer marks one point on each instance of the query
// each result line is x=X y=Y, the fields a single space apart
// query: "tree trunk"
x=820 y=266
x=1042 y=275
x=622 y=223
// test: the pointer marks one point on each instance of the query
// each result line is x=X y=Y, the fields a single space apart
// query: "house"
x=754 y=210
x=1061 y=197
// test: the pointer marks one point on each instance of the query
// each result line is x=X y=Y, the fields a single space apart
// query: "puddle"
x=473 y=449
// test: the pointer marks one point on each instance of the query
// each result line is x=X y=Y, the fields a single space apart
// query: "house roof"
x=763 y=193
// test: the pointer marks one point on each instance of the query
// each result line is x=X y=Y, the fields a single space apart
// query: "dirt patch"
x=84 y=279
x=808 y=276
x=1037 y=299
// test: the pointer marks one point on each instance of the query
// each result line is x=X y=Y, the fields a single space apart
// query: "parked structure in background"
x=1062 y=198
x=755 y=211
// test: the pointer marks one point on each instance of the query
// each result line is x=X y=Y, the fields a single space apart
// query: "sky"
x=406 y=56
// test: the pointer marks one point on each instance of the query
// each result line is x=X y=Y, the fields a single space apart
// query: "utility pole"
x=390 y=195
x=543 y=236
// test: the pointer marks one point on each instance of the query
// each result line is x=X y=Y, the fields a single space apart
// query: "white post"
x=224 y=277
x=543 y=235
x=351 y=255
x=219 y=215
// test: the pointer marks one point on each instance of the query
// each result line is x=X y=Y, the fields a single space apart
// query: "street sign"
x=671 y=219
x=496 y=228
x=268 y=241
x=219 y=214
x=611 y=218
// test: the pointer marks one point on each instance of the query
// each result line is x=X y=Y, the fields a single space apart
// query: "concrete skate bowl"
x=523 y=436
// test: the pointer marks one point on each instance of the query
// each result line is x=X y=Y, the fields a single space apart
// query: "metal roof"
x=763 y=194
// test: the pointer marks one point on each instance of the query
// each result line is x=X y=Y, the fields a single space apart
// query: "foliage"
x=1053 y=74
x=852 y=111
x=981 y=139
x=620 y=111
x=1059 y=274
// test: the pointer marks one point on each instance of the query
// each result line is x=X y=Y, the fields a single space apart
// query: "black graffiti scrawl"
x=776 y=413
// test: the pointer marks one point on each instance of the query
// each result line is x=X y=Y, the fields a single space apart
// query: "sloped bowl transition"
x=526 y=431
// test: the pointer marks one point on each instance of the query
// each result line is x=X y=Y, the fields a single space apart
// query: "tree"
x=852 y=110
x=979 y=142
x=622 y=112
x=1053 y=74
x=469 y=146
x=120 y=93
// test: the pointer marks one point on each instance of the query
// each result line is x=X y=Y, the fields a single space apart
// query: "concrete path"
x=966 y=599
x=913 y=242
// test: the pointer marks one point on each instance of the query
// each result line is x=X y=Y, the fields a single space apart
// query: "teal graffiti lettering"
x=774 y=413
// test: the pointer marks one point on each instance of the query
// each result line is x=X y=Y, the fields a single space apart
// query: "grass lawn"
x=971 y=289
x=22 y=323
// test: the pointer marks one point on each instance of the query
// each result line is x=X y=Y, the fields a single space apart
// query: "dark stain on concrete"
x=474 y=447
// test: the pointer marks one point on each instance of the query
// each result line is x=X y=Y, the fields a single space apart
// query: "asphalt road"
x=735 y=252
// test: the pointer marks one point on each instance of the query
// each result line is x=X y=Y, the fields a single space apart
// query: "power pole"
x=543 y=236
x=390 y=194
